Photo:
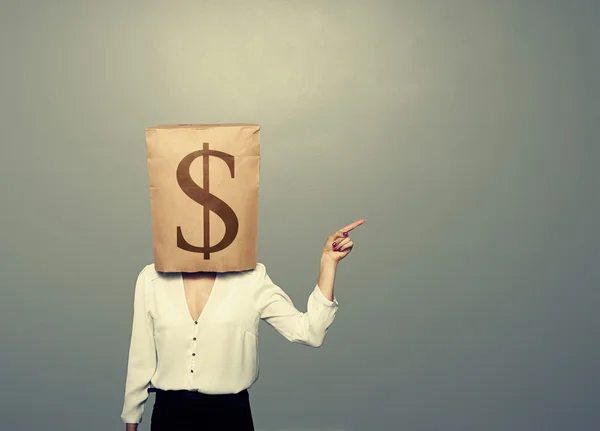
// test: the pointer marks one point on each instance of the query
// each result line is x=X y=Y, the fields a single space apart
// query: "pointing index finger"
x=354 y=225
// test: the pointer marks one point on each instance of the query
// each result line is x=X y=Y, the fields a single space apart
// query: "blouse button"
x=193 y=354
x=196 y=322
x=191 y=371
x=194 y=338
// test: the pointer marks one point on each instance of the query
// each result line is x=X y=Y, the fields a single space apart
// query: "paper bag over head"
x=204 y=196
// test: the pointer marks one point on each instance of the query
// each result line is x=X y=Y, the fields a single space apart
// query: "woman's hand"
x=339 y=244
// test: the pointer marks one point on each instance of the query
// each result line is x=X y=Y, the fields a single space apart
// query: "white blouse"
x=218 y=353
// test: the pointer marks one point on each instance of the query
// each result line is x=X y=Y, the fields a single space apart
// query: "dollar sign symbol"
x=208 y=201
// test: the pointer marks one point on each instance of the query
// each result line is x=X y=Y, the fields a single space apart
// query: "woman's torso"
x=218 y=352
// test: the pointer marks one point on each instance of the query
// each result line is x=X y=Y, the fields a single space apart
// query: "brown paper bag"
x=204 y=196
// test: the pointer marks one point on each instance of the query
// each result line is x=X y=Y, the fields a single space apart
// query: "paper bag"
x=204 y=196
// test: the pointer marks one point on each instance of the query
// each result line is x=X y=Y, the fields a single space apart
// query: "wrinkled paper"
x=204 y=196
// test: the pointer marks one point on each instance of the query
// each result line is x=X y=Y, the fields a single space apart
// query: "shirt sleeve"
x=276 y=308
x=142 y=355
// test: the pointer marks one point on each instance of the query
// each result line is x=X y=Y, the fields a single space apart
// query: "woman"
x=194 y=339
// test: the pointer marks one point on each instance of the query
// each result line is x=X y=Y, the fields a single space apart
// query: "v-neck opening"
x=185 y=300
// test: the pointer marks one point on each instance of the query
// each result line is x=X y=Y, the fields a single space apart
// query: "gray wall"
x=466 y=132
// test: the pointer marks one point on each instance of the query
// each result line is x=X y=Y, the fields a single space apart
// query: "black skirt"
x=196 y=411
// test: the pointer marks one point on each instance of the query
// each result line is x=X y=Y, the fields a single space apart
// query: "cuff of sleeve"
x=131 y=419
x=323 y=300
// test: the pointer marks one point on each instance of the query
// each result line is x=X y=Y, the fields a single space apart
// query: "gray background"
x=465 y=132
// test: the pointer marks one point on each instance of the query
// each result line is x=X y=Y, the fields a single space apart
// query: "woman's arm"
x=276 y=308
x=327 y=277
x=142 y=355
x=131 y=427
